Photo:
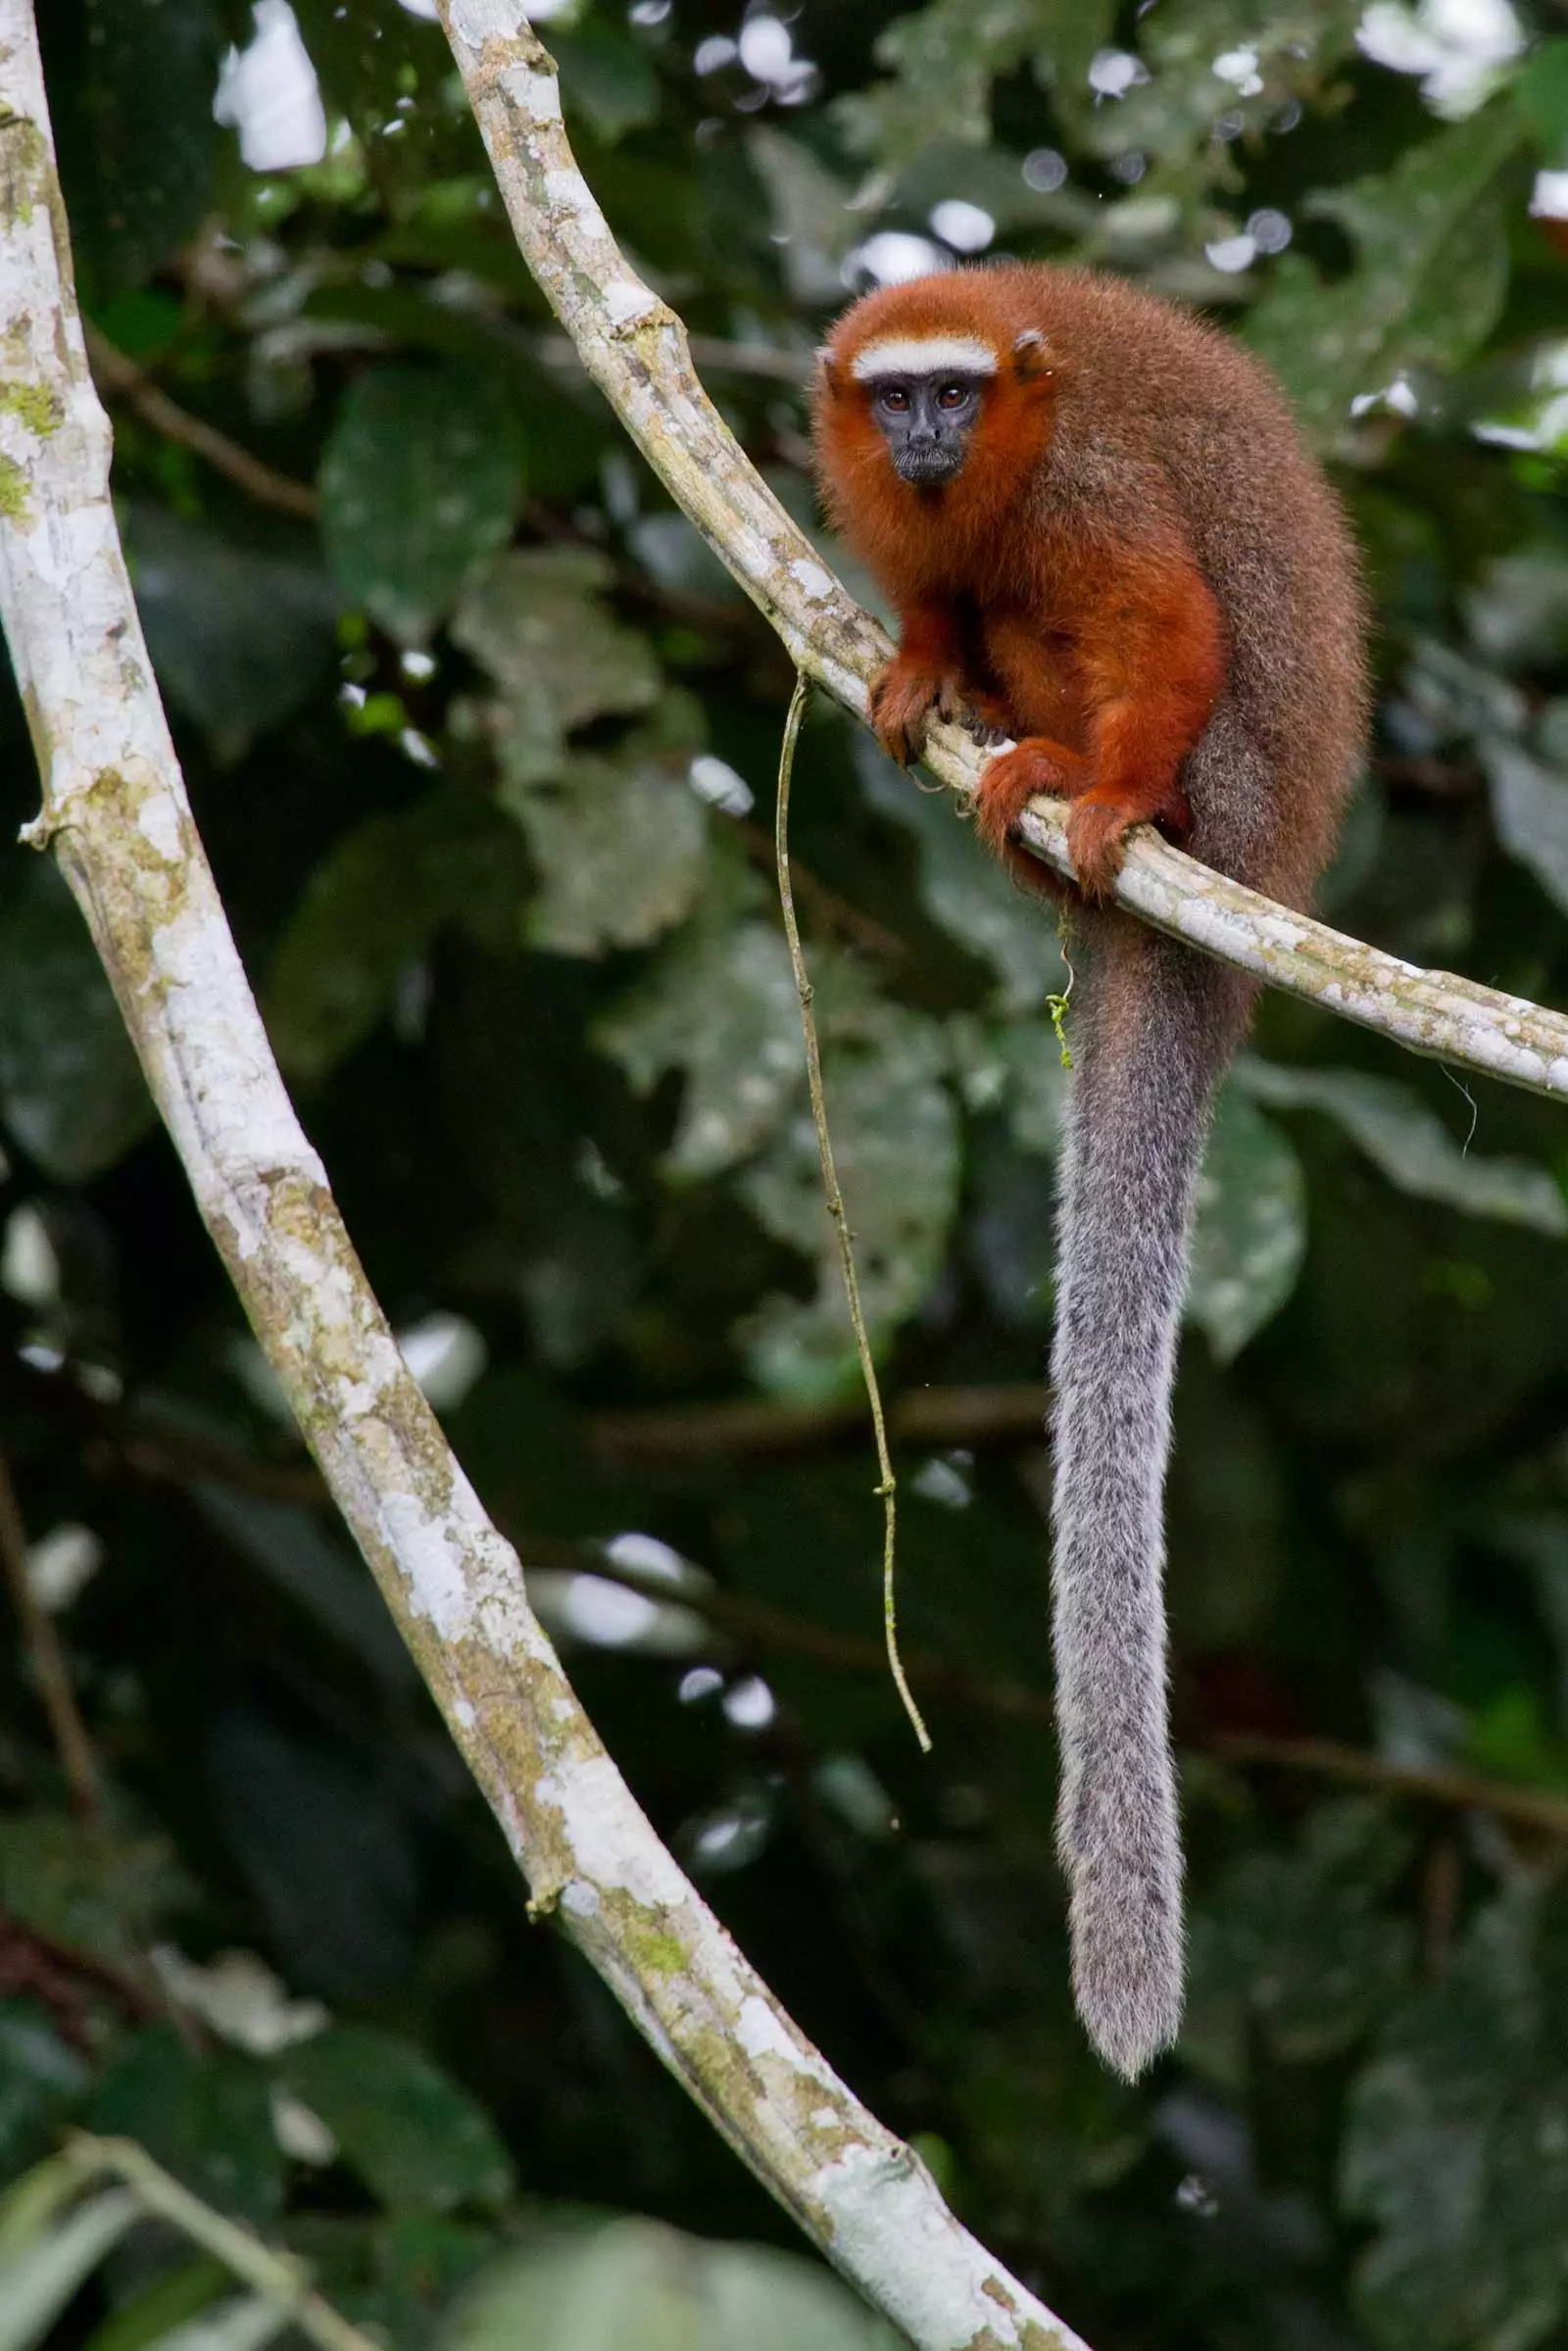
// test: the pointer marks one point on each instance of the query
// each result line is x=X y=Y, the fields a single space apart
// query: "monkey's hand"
x=903 y=699
x=1009 y=783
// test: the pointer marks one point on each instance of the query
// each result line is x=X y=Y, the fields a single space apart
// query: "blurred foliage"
x=484 y=761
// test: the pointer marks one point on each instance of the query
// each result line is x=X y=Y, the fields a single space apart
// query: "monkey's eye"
x=894 y=396
x=953 y=394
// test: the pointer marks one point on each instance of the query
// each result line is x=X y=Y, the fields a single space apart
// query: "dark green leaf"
x=969 y=895
x=137 y=175
x=1430 y=278
x=1250 y=1227
x=415 y=2137
x=538 y=622
x=942 y=60
x=1412 y=1146
x=207 y=2118
x=420 y=480
x=1457 y=2147
x=605 y=75
x=896 y=1148
x=1530 y=804
x=1302 y=1945
x=91 y=1894
x=41 y=2077
x=621 y=846
x=810 y=213
x=720 y=1004
x=71 y=1092
x=374 y=908
x=239 y=640
x=145 y=2323
x=602 y=2288
x=1541 y=90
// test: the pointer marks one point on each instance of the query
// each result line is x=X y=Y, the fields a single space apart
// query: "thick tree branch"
x=636 y=350
x=116 y=812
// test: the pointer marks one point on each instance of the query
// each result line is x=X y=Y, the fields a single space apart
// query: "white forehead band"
x=923 y=355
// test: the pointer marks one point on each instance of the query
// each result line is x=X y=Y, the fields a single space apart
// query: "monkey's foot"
x=1098 y=830
x=1097 y=841
x=902 y=700
x=1009 y=783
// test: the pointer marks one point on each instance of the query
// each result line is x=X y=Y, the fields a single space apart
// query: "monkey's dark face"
x=926 y=421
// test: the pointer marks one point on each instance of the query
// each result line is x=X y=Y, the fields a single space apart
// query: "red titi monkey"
x=1105 y=539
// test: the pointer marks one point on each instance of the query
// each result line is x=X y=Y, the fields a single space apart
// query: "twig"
x=121 y=375
x=276 y=2277
x=888 y=1488
x=56 y=1959
x=636 y=350
x=1429 y=1783
x=52 y=1674
x=751 y=1426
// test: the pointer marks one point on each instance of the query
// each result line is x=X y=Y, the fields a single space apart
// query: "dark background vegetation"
x=482 y=749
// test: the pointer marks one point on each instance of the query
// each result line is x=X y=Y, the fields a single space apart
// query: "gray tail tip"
x=1127 y=1977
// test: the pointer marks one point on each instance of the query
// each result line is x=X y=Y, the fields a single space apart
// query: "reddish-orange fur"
x=1095 y=639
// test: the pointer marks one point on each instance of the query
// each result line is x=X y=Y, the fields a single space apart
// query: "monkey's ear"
x=1031 y=355
x=826 y=369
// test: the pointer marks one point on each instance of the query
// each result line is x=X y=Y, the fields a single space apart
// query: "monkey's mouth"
x=927 y=469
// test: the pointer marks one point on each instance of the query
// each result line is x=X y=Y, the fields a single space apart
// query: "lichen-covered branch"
x=115 y=815
x=635 y=349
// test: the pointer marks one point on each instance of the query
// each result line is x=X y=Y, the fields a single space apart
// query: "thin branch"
x=755 y=1626
x=636 y=350
x=1429 y=1783
x=668 y=1436
x=48 y=1657
x=276 y=2278
x=69 y=1961
x=116 y=813
x=132 y=384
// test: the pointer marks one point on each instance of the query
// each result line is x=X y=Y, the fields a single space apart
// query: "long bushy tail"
x=1156 y=1028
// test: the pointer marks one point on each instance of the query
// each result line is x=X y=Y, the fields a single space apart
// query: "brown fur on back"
x=1156 y=430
